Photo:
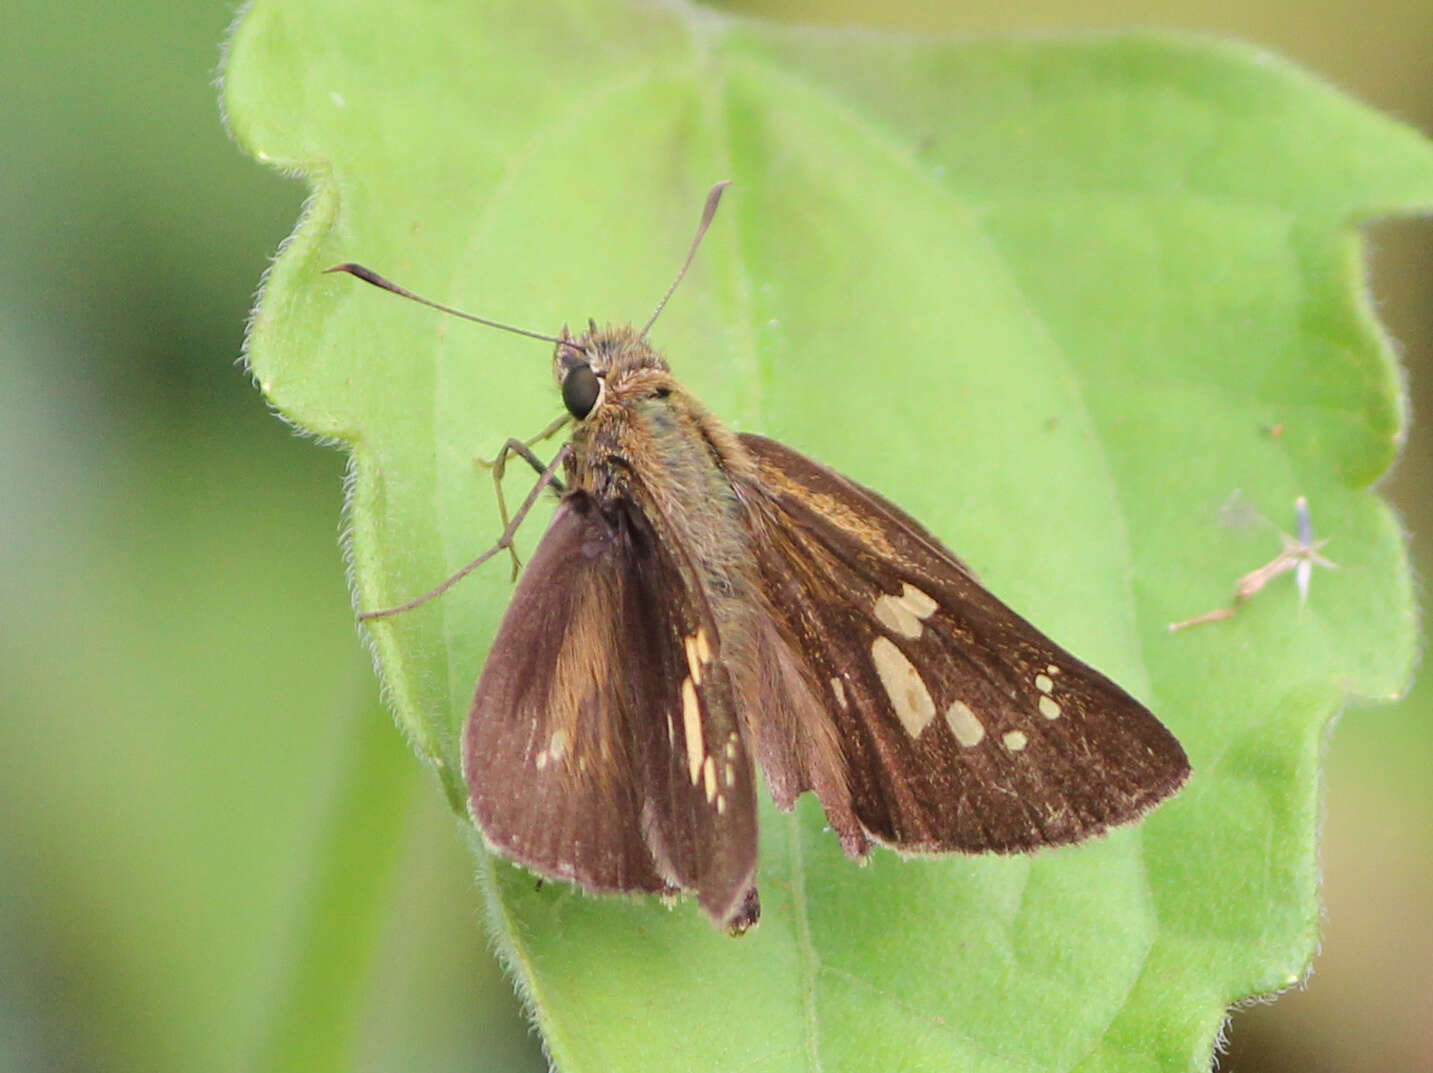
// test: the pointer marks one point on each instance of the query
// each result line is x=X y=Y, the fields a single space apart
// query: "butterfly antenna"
x=370 y=276
x=713 y=199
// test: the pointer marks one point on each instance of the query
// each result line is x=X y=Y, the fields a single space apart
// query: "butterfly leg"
x=498 y=467
x=547 y=478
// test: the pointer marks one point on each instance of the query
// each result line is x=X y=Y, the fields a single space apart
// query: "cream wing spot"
x=709 y=777
x=907 y=692
x=704 y=648
x=557 y=745
x=896 y=617
x=839 y=688
x=1014 y=740
x=692 y=725
x=1044 y=683
x=1049 y=708
x=964 y=724
x=916 y=602
x=694 y=660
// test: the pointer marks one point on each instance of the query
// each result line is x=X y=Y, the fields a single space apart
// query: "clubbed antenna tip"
x=708 y=212
x=370 y=276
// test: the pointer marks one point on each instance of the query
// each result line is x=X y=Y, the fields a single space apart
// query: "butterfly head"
x=609 y=365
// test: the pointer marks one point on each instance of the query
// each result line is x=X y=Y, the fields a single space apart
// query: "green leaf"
x=1061 y=300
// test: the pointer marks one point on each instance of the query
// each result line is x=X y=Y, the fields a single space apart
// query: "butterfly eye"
x=580 y=389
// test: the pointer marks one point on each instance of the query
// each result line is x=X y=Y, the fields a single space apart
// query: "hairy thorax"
x=646 y=428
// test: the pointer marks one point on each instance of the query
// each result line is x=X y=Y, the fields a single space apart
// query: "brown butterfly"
x=705 y=602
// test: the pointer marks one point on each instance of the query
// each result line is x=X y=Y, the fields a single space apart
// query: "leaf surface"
x=1060 y=300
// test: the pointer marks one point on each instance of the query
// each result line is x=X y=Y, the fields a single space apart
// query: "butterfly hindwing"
x=962 y=727
x=600 y=744
x=548 y=748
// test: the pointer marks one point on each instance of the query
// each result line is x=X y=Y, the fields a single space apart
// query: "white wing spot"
x=731 y=744
x=839 y=688
x=709 y=776
x=721 y=804
x=730 y=773
x=1044 y=683
x=1014 y=740
x=541 y=760
x=907 y=692
x=1052 y=669
x=964 y=724
x=692 y=724
x=1048 y=708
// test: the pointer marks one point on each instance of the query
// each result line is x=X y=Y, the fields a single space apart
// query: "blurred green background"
x=216 y=851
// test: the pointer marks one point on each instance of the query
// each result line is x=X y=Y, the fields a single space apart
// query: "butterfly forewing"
x=600 y=744
x=962 y=726
x=700 y=807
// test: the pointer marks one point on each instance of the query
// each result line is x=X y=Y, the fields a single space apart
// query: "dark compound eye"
x=580 y=388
